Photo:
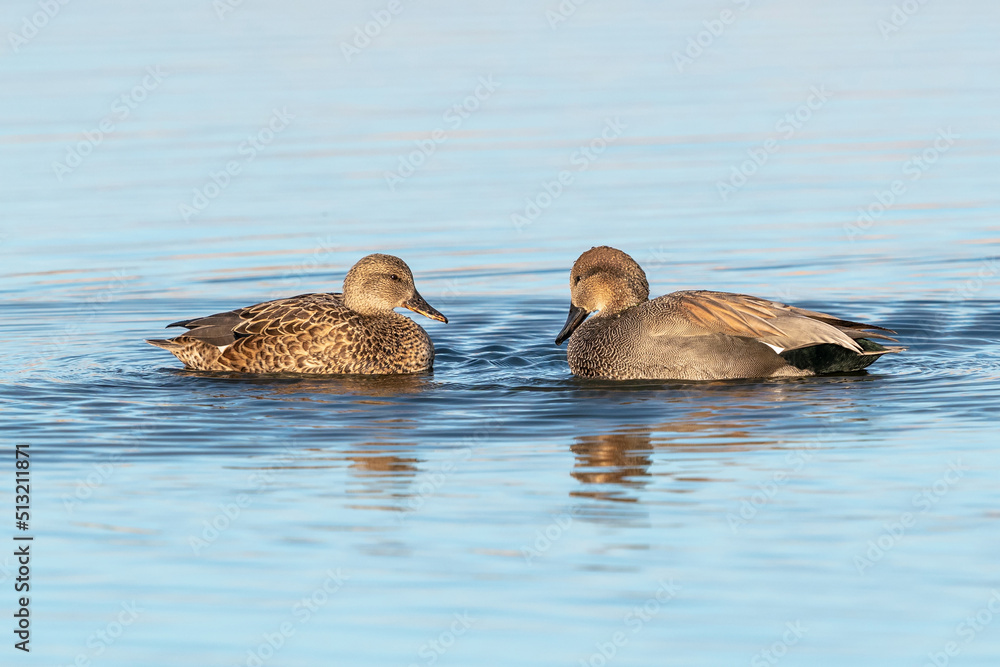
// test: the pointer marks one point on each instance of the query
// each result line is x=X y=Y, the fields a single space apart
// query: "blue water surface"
x=167 y=160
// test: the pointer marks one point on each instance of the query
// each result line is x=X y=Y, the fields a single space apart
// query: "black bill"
x=576 y=317
x=417 y=304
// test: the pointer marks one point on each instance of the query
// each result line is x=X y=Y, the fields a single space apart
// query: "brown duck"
x=699 y=335
x=353 y=332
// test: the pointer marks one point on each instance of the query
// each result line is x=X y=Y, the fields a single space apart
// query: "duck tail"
x=168 y=345
x=829 y=358
x=195 y=353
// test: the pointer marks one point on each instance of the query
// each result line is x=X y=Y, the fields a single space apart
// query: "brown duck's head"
x=379 y=283
x=603 y=279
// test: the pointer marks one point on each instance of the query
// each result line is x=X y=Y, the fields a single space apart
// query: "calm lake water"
x=167 y=160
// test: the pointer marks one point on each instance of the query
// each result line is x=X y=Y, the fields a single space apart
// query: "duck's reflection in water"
x=612 y=468
x=612 y=465
x=382 y=474
x=313 y=387
x=620 y=471
x=617 y=470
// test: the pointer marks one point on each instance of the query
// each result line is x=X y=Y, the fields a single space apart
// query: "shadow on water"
x=312 y=387
x=614 y=463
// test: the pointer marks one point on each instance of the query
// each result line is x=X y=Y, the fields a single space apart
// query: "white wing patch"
x=778 y=350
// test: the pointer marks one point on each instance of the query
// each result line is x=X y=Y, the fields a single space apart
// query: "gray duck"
x=699 y=335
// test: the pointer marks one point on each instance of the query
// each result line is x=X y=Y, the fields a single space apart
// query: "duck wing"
x=270 y=318
x=780 y=326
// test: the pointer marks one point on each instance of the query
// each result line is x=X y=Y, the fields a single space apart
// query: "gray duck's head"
x=379 y=283
x=603 y=279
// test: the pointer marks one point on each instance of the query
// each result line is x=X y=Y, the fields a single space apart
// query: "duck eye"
x=578 y=279
x=394 y=277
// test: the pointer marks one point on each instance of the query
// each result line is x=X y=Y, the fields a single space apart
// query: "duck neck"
x=620 y=304
x=364 y=305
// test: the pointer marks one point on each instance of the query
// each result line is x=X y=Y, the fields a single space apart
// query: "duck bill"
x=417 y=304
x=576 y=317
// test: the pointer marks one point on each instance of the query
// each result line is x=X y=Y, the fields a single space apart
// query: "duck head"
x=603 y=279
x=379 y=283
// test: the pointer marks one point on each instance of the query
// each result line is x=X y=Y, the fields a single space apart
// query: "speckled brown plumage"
x=699 y=335
x=353 y=332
